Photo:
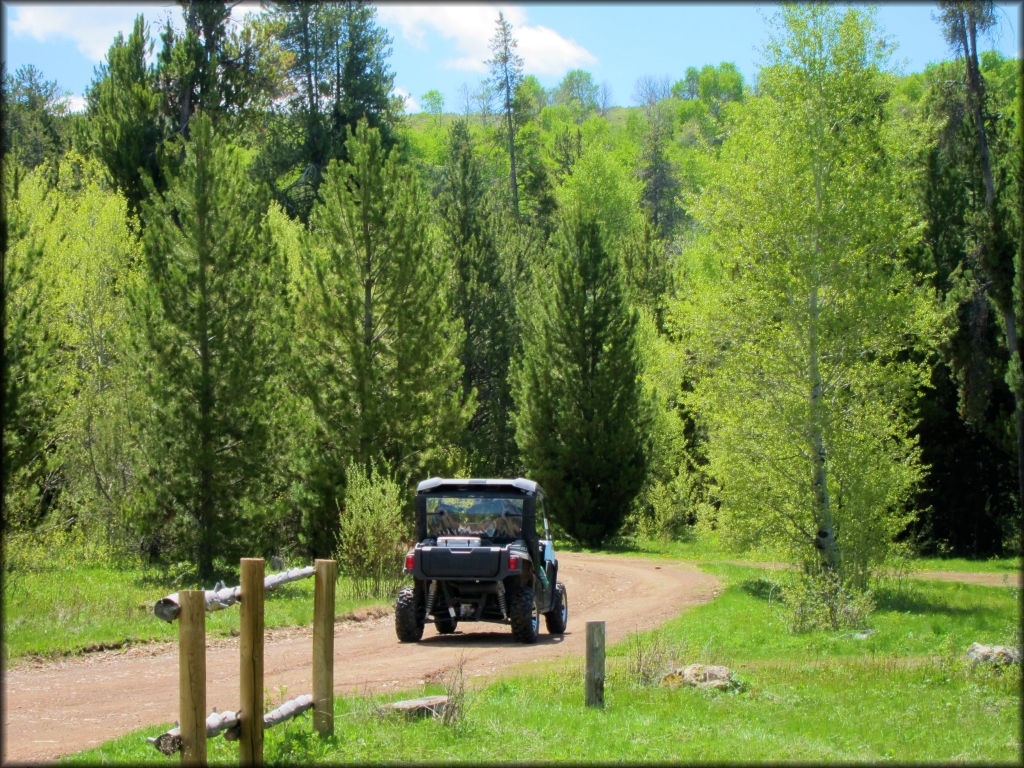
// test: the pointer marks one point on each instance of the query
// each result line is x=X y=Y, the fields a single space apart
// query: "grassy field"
x=707 y=549
x=66 y=610
x=902 y=693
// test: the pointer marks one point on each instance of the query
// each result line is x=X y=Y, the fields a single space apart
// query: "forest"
x=249 y=302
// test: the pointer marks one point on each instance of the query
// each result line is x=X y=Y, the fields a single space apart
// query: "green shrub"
x=824 y=601
x=371 y=531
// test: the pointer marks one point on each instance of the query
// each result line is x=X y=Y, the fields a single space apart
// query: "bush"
x=824 y=601
x=371 y=531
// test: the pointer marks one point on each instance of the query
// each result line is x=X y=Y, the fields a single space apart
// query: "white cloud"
x=92 y=28
x=548 y=53
x=411 y=105
x=76 y=103
x=470 y=27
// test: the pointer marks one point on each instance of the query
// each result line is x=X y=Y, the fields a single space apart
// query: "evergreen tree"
x=997 y=237
x=208 y=315
x=506 y=73
x=338 y=73
x=124 y=127
x=483 y=300
x=580 y=415
x=378 y=339
x=32 y=108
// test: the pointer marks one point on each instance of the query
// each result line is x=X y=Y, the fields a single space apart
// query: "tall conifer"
x=209 y=354
x=379 y=341
x=581 y=419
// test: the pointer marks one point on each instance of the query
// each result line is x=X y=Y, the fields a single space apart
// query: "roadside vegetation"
x=903 y=692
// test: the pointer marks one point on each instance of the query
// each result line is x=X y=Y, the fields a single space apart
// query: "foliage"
x=506 y=70
x=579 y=91
x=484 y=301
x=371 y=531
x=31 y=133
x=124 y=128
x=800 y=310
x=581 y=418
x=209 y=348
x=821 y=601
x=90 y=250
x=337 y=74
x=31 y=387
x=377 y=336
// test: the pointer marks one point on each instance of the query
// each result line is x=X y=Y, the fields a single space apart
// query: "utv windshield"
x=487 y=517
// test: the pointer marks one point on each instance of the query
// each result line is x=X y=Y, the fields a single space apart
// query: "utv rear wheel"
x=558 y=616
x=446 y=626
x=523 y=616
x=408 y=623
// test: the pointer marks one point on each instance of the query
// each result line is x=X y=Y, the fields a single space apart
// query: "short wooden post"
x=595 y=664
x=323 y=647
x=192 y=676
x=250 y=646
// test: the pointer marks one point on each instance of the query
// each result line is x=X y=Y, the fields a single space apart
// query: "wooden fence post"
x=595 y=664
x=250 y=645
x=323 y=647
x=192 y=677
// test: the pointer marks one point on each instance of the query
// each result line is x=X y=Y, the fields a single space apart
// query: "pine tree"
x=483 y=300
x=338 y=73
x=208 y=316
x=32 y=108
x=1000 y=255
x=580 y=414
x=506 y=73
x=124 y=127
x=379 y=343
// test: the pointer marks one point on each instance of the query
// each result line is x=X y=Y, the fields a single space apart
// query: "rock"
x=1000 y=655
x=700 y=676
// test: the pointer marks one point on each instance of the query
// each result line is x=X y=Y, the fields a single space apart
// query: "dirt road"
x=56 y=708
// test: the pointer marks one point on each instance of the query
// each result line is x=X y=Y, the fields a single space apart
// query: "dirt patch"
x=55 y=707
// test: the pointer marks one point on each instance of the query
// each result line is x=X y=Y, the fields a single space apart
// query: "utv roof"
x=520 y=484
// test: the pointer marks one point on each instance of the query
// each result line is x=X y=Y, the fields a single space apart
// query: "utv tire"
x=445 y=626
x=523 y=616
x=558 y=616
x=408 y=623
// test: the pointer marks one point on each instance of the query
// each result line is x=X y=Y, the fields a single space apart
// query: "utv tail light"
x=410 y=561
x=513 y=562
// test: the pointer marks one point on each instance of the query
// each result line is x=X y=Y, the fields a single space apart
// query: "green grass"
x=905 y=694
x=1008 y=565
x=66 y=610
x=708 y=549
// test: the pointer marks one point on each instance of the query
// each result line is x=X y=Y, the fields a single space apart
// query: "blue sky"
x=443 y=47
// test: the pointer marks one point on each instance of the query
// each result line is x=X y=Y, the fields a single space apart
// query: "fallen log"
x=167 y=608
x=230 y=724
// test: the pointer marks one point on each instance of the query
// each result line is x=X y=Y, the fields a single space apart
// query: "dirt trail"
x=55 y=708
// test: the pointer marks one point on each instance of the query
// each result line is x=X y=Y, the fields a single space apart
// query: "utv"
x=480 y=558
